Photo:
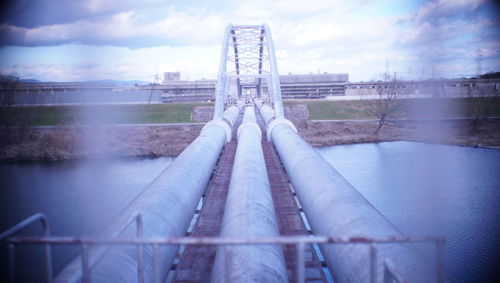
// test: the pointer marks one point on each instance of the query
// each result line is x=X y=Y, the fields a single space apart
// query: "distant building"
x=313 y=85
x=171 y=76
x=292 y=86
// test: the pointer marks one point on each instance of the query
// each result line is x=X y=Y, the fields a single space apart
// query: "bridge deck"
x=288 y=214
x=196 y=262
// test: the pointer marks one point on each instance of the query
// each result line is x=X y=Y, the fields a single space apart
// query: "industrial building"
x=292 y=86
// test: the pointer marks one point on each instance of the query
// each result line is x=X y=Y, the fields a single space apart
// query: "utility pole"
x=156 y=81
x=479 y=59
x=386 y=77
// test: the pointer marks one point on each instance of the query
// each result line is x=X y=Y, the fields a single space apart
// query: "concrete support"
x=166 y=206
x=249 y=213
x=335 y=208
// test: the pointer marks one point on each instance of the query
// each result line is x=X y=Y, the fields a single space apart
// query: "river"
x=440 y=190
x=79 y=197
x=422 y=189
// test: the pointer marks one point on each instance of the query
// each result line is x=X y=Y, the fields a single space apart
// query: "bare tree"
x=387 y=105
x=8 y=85
x=476 y=101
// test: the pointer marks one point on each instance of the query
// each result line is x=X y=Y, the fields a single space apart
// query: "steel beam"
x=166 y=207
x=335 y=208
x=249 y=213
x=220 y=89
x=274 y=85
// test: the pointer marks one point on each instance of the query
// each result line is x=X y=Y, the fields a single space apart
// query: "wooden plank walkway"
x=196 y=262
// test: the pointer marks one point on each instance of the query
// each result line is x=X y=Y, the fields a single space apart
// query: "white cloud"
x=334 y=36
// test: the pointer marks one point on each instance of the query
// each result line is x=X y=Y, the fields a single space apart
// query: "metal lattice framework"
x=247 y=65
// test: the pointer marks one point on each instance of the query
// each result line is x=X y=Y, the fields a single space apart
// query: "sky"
x=78 y=40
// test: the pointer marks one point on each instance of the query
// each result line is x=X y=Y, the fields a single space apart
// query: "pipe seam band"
x=227 y=115
x=249 y=124
x=277 y=122
x=219 y=123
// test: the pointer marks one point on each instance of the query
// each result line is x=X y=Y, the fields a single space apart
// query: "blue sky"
x=55 y=40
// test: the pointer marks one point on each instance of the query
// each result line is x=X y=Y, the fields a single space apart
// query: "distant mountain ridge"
x=116 y=82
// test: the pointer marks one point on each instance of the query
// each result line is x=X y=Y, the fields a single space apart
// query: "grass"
x=181 y=112
x=326 y=110
x=411 y=108
x=92 y=114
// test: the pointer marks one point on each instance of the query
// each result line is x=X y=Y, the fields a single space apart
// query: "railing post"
x=140 y=249
x=48 y=250
x=85 y=263
x=387 y=274
x=373 y=263
x=439 y=259
x=12 y=263
x=300 y=262
x=156 y=262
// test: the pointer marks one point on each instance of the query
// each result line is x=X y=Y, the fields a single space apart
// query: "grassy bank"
x=411 y=108
x=91 y=114
x=181 y=112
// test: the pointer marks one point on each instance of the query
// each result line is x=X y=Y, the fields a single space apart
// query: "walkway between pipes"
x=196 y=262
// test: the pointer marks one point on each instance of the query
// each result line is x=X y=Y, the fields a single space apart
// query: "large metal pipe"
x=166 y=207
x=335 y=208
x=249 y=213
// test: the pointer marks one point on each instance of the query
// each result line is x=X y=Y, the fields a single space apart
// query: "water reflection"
x=428 y=189
x=79 y=197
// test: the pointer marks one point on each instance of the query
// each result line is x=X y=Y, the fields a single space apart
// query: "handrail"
x=137 y=218
x=390 y=273
x=20 y=226
x=282 y=240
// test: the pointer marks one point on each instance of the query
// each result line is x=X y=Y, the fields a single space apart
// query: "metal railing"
x=137 y=218
x=21 y=226
x=84 y=246
x=390 y=274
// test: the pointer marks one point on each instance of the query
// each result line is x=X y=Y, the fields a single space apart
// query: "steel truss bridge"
x=247 y=201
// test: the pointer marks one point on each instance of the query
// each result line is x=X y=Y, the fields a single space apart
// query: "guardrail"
x=137 y=218
x=390 y=274
x=21 y=226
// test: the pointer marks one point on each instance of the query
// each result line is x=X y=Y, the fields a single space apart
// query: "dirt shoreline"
x=71 y=142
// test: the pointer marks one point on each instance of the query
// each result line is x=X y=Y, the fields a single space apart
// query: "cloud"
x=184 y=35
x=31 y=14
x=121 y=29
x=444 y=9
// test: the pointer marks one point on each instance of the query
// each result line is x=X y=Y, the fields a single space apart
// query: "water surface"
x=426 y=189
x=79 y=197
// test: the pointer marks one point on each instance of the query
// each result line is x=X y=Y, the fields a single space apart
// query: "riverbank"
x=445 y=131
x=70 y=142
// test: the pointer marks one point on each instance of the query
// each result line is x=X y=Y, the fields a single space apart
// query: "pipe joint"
x=276 y=122
x=219 y=123
x=231 y=114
